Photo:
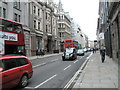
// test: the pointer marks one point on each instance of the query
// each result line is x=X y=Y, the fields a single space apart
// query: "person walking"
x=102 y=52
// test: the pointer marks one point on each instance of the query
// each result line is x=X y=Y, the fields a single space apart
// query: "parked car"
x=85 y=50
x=80 y=52
x=69 y=54
x=15 y=71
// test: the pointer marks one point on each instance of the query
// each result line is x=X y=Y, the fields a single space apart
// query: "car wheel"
x=24 y=81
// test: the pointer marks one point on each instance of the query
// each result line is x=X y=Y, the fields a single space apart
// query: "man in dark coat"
x=102 y=52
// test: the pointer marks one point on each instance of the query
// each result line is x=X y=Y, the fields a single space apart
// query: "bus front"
x=12 y=34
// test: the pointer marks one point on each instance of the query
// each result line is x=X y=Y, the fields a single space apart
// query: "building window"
x=60 y=35
x=15 y=17
x=34 y=24
x=38 y=25
x=46 y=28
x=34 y=9
x=0 y=12
x=46 y=16
x=81 y=35
x=17 y=4
x=5 y=1
x=4 y=13
x=19 y=17
x=38 y=12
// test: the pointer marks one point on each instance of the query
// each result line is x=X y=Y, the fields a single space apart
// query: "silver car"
x=69 y=54
x=80 y=52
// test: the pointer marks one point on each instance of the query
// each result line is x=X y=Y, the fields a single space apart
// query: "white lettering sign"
x=1 y=46
x=8 y=36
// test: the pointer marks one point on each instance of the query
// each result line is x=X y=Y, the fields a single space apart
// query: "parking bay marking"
x=46 y=81
x=67 y=67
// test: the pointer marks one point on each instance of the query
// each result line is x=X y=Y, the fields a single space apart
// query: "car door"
x=10 y=75
x=24 y=66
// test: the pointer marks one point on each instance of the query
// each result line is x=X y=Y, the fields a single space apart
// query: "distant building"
x=78 y=35
x=64 y=25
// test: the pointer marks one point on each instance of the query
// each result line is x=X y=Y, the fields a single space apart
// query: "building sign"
x=1 y=46
x=101 y=36
x=8 y=36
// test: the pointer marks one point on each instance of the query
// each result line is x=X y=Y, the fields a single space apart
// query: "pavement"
x=43 y=56
x=97 y=74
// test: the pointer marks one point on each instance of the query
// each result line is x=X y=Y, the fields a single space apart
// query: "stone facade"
x=64 y=25
x=39 y=23
x=111 y=28
x=114 y=20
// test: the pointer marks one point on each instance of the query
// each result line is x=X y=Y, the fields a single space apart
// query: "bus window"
x=1 y=27
x=7 y=26
x=17 y=28
x=68 y=42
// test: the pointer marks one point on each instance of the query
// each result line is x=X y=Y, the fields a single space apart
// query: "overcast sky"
x=85 y=13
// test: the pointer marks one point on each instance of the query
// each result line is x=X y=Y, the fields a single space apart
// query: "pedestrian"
x=102 y=53
x=93 y=50
x=42 y=52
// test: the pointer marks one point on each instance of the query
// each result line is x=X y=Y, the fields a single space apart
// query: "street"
x=52 y=72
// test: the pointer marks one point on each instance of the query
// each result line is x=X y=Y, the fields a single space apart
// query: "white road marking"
x=29 y=87
x=76 y=61
x=67 y=67
x=39 y=65
x=54 y=60
x=89 y=56
x=46 y=81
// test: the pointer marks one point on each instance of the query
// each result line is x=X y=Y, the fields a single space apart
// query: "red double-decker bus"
x=12 y=36
x=71 y=43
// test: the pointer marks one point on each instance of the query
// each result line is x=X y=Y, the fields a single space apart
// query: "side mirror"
x=1 y=69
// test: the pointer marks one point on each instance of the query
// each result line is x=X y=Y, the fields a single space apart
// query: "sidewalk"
x=46 y=55
x=97 y=74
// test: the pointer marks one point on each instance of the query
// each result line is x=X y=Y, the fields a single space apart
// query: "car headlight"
x=71 y=55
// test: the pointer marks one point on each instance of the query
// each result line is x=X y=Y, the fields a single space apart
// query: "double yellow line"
x=71 y=81
x=80 y=70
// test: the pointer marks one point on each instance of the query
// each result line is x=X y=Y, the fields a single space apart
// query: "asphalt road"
x=52 y=72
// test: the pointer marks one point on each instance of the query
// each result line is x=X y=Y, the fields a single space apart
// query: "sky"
x=85 y=13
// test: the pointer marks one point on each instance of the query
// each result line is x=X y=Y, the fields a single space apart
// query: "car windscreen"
x=80 y=50
x=69 y=50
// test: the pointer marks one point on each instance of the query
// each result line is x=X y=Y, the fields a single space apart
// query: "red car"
x=15 y=70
